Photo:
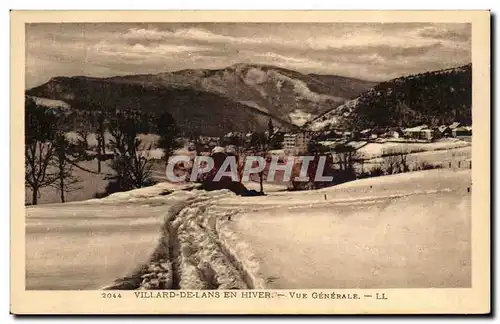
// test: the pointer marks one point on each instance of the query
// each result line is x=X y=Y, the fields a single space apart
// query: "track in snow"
x=189 y=254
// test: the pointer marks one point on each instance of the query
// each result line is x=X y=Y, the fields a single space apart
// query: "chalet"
x=378 y=132
x=462 y=131
x=418 y=132
x=393 y=132
x=439 y=131
x=426 y=134
x=333 y=135
x=365 y=133
x=346 y=135
x=448 y=131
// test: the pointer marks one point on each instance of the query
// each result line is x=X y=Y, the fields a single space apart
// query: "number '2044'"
x=111 y=295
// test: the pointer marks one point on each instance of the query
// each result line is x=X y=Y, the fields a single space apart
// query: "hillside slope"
x=284 y=93
x=237 y=98
x=194 y=110
x=438 y=97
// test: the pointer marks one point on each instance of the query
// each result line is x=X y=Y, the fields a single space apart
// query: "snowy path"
x=189 y=254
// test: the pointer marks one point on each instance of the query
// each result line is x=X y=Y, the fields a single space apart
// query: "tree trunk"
x=103 y=144
x=85 y=143
x=101 y=149
x=99 y=154
x=61 y=187
x=98 y=162
x=34 y=199
x=84 y=136
x=261 y=182
x=166 y=157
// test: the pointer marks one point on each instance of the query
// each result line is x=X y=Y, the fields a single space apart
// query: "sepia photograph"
x=163 y=157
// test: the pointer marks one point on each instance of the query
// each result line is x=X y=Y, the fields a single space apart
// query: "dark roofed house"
x=448 y=132
x=462 y=131
x=365 y=133
x=379 y=131
x=442 y=128
x=393 y=132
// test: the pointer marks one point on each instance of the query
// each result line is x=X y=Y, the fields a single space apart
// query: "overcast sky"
x=367 y=51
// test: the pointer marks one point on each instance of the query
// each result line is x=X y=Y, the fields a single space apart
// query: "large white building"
x=296 y=143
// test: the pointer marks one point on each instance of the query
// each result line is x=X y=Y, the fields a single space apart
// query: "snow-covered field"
x=87 y=245
x=405 y=230
x=449 y=158
x=373 y=150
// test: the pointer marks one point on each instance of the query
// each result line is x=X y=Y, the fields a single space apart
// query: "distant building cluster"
x=298 y=142
x=426 y=132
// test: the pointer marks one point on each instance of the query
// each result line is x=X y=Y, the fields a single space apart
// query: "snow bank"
x=160 y=189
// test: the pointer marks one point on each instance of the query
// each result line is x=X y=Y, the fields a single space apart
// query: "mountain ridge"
x=432 y=97
x=248 y=93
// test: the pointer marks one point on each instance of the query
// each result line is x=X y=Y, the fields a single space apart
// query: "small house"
x=393 y=132
x=378 y=132
x=418 y=132
x=347 y=135
x=442 y=128
x=365 y=133
x=426 y=134
x=462 y=131
x=448 y=131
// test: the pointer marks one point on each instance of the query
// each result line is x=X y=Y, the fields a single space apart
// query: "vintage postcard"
x=235 y=162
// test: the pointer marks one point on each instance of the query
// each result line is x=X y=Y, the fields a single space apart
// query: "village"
x=301 y=141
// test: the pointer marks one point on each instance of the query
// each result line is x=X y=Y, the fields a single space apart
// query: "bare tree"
x=131 y=163
x=168 y=131
x=67 y=157
x=264 y=142
x=40 y=130
x=346 y=157
x=390 y=164
x=99 y=123
x=84 y=128
x=395 y=160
